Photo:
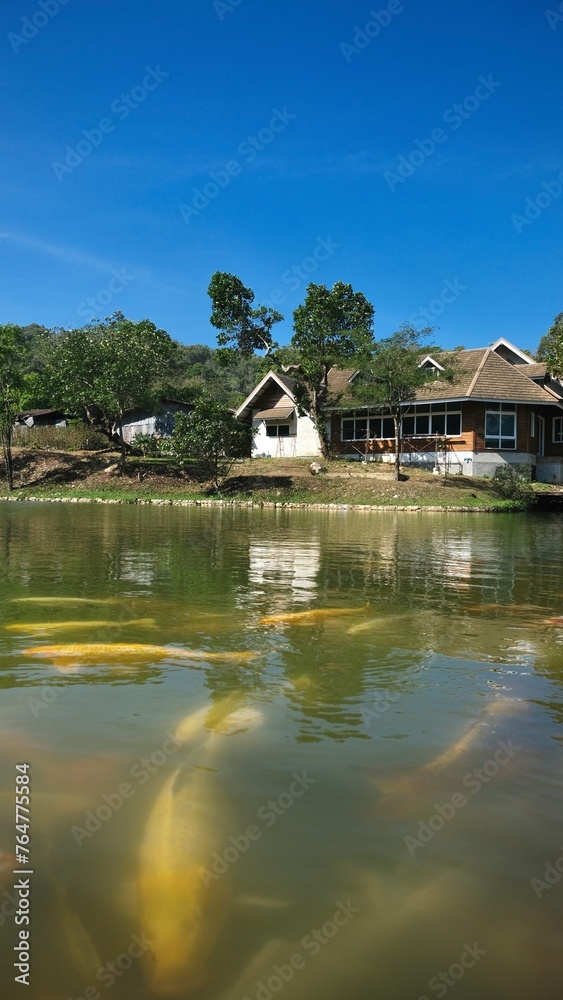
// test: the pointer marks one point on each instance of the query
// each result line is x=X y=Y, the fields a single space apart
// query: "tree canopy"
x=14 y=354
x=333 y=327
x=550 y=348
x=107 y=368
x=391 y=375
x=241 y=327
x=212 y=437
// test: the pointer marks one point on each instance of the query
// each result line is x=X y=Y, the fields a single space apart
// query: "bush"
x=148 y=445
x=72 y=438
x=212 y=437
x=512 y=482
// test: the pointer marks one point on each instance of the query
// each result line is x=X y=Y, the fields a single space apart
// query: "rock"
x=109 y=469
x=315 y=468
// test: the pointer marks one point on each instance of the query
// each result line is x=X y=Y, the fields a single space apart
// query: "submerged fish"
x=554 y=621
x=183 y=902
x=64 y=600
x=63 y=626
x=96 y=652
x=220 y=718
x=310 y=616
x=400 y=791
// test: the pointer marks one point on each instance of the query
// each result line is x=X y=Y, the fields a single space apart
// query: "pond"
x=360 y=802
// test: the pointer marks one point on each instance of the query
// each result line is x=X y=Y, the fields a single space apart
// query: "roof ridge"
x=488 y=352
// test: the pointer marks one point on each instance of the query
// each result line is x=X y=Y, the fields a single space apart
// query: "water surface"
x=365 y=875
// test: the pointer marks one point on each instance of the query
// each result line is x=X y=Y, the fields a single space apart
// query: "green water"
x=369 y=874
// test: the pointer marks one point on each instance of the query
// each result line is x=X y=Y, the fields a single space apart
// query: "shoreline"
x=265 y=504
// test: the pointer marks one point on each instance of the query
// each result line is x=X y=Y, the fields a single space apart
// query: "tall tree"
x=13 y=358
x=333 y=327
x=550 y=348
x=392 y=374
x=241 y=327
x=105 y=369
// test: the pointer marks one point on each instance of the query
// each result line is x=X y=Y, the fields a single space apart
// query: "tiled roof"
x=536 y=370
x=479 y=374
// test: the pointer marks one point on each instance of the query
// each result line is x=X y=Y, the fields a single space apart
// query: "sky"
x=411 y=148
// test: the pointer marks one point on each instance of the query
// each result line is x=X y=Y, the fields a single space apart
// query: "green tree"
x=241 y=327
x=13 y=359
x=391 y=376
x=333 y=327
x=212 y=438
x=550 y=348
x=105 y=369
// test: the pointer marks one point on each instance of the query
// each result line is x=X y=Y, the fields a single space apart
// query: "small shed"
x=40 y=418
x=158 y=422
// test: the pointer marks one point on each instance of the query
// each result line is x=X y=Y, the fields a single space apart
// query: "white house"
x=280 y=432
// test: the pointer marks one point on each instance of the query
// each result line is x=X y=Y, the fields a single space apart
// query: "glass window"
x=422 y=423
x=277 y=430
x=453 y=424
x=347 y=430
x=558 y=430
x=361 y=429
x=408 y=425
x=500 y=426
x=388 y=427
x=439 y=423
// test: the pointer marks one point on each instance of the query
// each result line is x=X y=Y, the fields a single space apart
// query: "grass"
x=53 y=475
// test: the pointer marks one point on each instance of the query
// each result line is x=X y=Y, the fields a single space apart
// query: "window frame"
x=277 y=428
x=370 y=420
x=427 y=411
x=499 y=410
x=554 y=439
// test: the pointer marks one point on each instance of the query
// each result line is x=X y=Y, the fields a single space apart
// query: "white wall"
x=302 y=443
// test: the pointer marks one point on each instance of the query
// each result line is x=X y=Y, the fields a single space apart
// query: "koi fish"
x=63 y=626
x=63 y=600
x=97 y=652
x=310 y=616
x=183 y=903
x=400 y=791
x=554 y=621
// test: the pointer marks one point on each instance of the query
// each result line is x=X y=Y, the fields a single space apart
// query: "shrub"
x=512 y=482
x=78 y=437
x=147 y=444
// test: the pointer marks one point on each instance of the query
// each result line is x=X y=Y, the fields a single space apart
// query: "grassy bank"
x=83 y=475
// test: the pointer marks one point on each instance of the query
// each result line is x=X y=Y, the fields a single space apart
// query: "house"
x=500 y=408
x=271 y=409
x=155 y=423
x=40 y=418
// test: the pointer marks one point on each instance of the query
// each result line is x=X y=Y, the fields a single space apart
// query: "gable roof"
x=284 y=381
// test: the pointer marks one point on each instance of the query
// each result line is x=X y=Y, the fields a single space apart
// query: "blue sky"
x=148 y=143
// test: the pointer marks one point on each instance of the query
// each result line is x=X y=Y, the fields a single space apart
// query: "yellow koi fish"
x=183 y=903
x=64 y=626
x=305 y=617
x=64 y=600
x=100 y=652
